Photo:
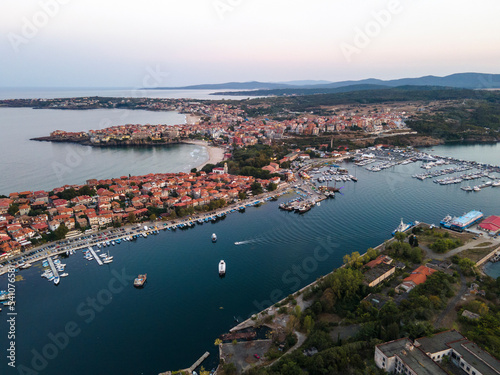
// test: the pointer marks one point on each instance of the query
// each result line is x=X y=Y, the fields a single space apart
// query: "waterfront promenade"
x=136 y=229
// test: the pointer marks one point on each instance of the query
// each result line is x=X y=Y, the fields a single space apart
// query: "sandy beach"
x=192 y=119
x=215 y=154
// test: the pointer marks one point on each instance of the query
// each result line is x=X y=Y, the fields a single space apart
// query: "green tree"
x=467 y=266
x=345 y=282
x=229 y=369
x=272 y=186
x=400 y=236
x=256 y=188
x=85 y=190
x=308 y=324
x=372 y=253
x=13 y=209
x=132 y=218
x=242 y=195
x=354 y=260
x=60 y=232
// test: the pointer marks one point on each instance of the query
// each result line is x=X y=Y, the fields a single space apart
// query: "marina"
x=270 y=243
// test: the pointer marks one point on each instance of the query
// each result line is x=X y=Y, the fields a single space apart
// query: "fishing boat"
x=214 y=237
x=140 y=280
x=222 y=268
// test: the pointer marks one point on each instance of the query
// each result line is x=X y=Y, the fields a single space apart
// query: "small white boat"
x=63 y=274
x=57 y=280
x=222 y=268
x=107 y=260
x=214 y=237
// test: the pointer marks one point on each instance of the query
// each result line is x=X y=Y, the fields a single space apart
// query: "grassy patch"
x=475 y=253
x=483 y=244
x=429 y=236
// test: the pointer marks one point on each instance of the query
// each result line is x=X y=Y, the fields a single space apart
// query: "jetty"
x=53 y=267
x=190 y=369
x=97 y=258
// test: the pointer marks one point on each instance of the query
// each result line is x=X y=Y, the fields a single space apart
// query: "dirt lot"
x=242 y=353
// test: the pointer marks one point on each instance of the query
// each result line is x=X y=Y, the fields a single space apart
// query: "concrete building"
x=378 y=273
x=424 y=355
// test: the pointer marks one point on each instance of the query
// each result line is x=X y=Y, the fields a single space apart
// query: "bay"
x=32 y=165
x=53 y=93
x=185 y=306
x=483 y=152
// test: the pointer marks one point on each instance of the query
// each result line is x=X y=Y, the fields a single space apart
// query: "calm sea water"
x=52 y=93
x=483 y=153
x=31 y=165
x=185 y=306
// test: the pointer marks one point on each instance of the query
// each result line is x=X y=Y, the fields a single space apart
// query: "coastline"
x=215 y=154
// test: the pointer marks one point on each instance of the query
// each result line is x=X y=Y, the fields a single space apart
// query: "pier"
x=199 y=362
x=192 y=368
x=97 y=258
x=53 y=267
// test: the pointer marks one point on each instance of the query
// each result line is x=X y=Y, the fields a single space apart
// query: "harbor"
x=264 y=245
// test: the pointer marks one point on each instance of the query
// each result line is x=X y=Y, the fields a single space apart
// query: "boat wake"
x=245 y=242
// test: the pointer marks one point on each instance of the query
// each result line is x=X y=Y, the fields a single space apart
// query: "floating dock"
x=97 y=258
x=53 y=267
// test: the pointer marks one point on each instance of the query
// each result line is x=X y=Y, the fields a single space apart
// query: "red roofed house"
x=380 y=259
x=60 y=203
x=491 y=224
x=417 y=277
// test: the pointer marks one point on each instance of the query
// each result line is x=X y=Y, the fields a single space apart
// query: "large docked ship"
x=463 y=222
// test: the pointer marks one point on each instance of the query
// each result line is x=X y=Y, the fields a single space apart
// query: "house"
x=24 y=209
x=417 y=277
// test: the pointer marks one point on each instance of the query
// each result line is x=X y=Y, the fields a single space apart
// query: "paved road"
x=453 y=303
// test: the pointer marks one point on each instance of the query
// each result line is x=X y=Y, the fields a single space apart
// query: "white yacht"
x=222 y=268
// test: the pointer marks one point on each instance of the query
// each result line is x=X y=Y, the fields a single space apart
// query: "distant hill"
x=254 y=85
x=306 y=82
x=459 y=80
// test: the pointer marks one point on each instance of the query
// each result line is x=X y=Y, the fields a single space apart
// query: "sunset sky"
x=90 y=43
